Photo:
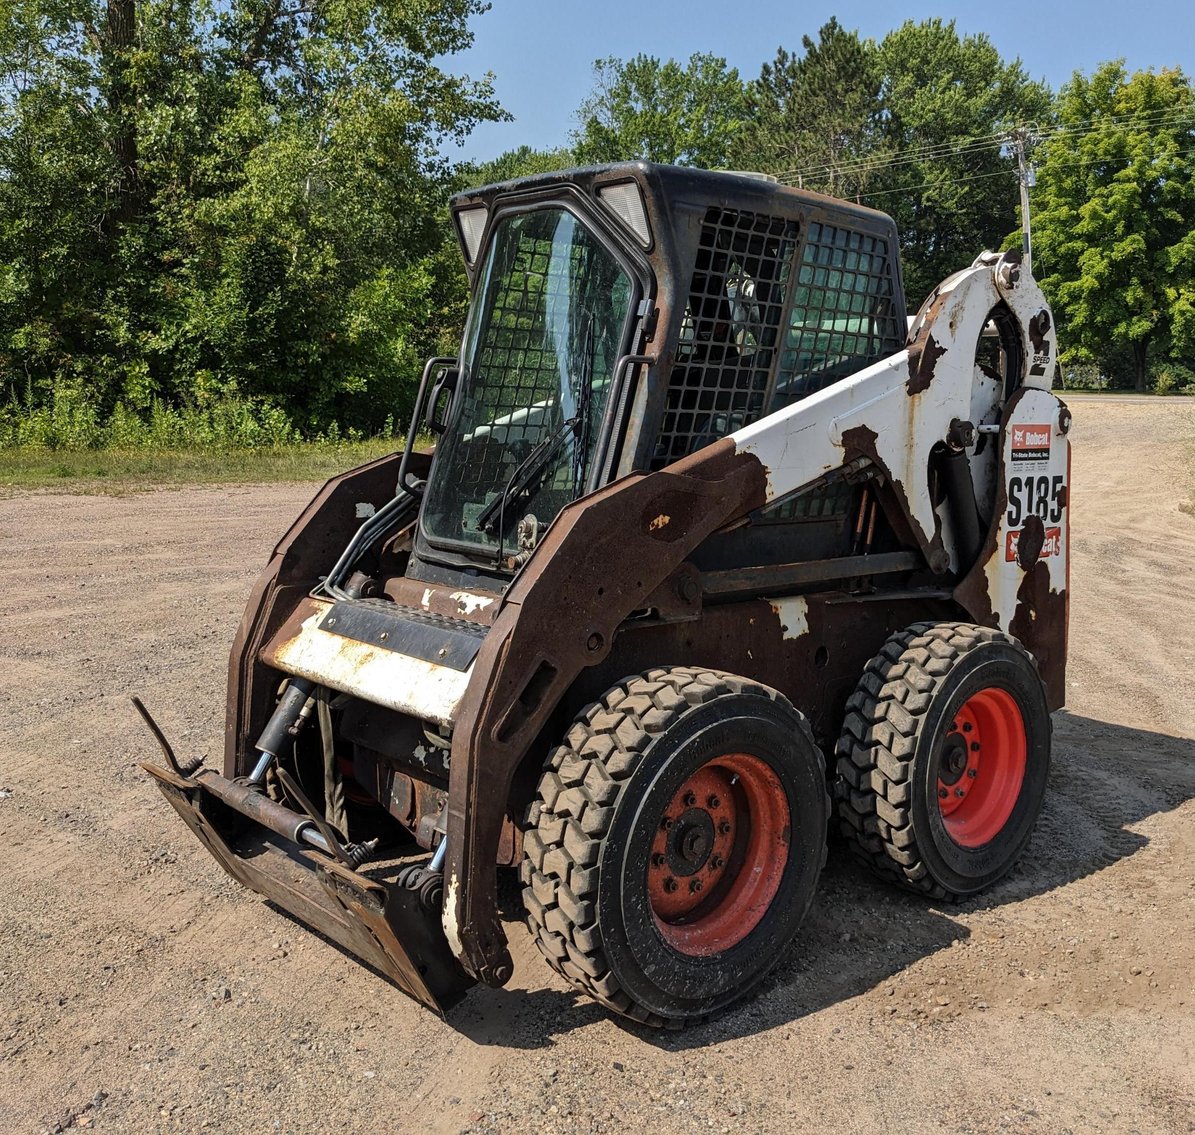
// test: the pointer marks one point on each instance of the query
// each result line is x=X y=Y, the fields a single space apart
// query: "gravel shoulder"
x=141 y=991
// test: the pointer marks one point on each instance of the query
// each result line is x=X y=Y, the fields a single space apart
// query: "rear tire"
x=676 y=843
x=944 y=757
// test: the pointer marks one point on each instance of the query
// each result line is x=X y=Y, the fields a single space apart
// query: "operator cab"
x=625 y=316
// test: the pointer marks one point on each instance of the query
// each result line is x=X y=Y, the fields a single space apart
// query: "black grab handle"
x=447 y=366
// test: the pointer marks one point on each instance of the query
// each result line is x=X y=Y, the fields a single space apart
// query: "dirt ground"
x=141 y=991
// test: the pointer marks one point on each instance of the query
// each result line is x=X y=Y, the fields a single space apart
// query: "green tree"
x=1114 y=216
x=815 y=119
x=946 y=99
x=199 y=198
x=522 y=162
x=683 y=114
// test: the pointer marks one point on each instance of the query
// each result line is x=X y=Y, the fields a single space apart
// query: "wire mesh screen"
x=842 y=319
x=552 y=309
x=527 y=344
x=731 y=327
x=842 y=315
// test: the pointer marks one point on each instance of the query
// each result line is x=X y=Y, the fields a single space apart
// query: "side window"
x=842 y=316
x=731 y=330
x=842 y=319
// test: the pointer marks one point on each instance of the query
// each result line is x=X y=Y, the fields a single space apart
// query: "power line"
x=928 y=147
x=996 y=173
x=965 y=146
x=918 y=153
x=938 y=152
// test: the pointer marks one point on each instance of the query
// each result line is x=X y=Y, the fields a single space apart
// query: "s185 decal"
x=1036 y=496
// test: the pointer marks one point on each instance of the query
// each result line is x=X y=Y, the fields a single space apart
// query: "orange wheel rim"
x=718 y=855
x=982 y=767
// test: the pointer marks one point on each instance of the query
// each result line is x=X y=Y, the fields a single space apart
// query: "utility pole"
x=1021 y=139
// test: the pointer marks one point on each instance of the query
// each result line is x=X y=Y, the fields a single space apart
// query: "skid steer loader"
x=714 y=547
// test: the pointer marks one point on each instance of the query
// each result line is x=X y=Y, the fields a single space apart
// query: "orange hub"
x=718 y=855
x=983 y=767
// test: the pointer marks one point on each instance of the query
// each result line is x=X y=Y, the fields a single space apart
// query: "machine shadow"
x=1105 y=778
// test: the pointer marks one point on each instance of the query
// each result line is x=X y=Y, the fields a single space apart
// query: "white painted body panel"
x=385 y=677
x=793 y=612
x=804 y=441
x=1036 y=413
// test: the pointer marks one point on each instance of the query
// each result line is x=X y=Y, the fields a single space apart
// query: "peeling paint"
x=659 y=522
x=923 y=360
x=448 y=917
x=426 y=601
x=1019 y=582
x=793 y=613
x=467 y=603
x=386 y=677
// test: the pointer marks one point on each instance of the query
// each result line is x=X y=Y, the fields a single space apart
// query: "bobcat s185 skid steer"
x=714 y=550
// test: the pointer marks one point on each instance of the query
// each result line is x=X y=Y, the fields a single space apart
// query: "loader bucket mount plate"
x=384 y=924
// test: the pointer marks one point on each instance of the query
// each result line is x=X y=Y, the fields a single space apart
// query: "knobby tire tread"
x=578 y=795
x=878 y=741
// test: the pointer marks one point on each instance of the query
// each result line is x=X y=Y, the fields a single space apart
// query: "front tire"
x=944 y=757
x=676 y=843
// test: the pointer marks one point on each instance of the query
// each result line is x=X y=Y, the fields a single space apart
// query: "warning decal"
x=1030 y=442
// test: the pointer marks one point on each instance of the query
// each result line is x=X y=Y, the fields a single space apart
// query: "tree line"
x=920 y=125
x=242 y=206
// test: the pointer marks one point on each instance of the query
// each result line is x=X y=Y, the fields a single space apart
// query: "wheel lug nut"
x=716 y=861
x=713 y=802
x=666 y=822
x=690 y=799
x=967 y=727
x=959 y=792
x=975 y=746
x=972 y=773
x=724 y=827
x=657 y=859
x=943 y=793
x=670 y=884
x=695 y=886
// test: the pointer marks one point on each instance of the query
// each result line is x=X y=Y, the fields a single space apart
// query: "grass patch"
x=119 y=470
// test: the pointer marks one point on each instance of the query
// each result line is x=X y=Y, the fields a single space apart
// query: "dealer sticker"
x=1051 y=545
x=1030 y=442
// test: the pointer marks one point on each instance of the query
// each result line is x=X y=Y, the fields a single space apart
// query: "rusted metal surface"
x=600 y=560
x=923 y=359
x=254 y=805
x=305 y=647
x=811 y=647
x=454 y=602
x=382 y=924
x=560 y=614
x=860 y=443
x=307 y=550
x=1020 y=580
x=781 y=577
x=612 y=588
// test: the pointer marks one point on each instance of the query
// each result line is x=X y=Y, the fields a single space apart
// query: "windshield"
x=551 y=312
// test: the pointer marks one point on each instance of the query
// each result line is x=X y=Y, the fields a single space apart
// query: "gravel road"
x=142 y=991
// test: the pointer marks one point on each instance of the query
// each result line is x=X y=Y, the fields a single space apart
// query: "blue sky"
x=542 y=53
